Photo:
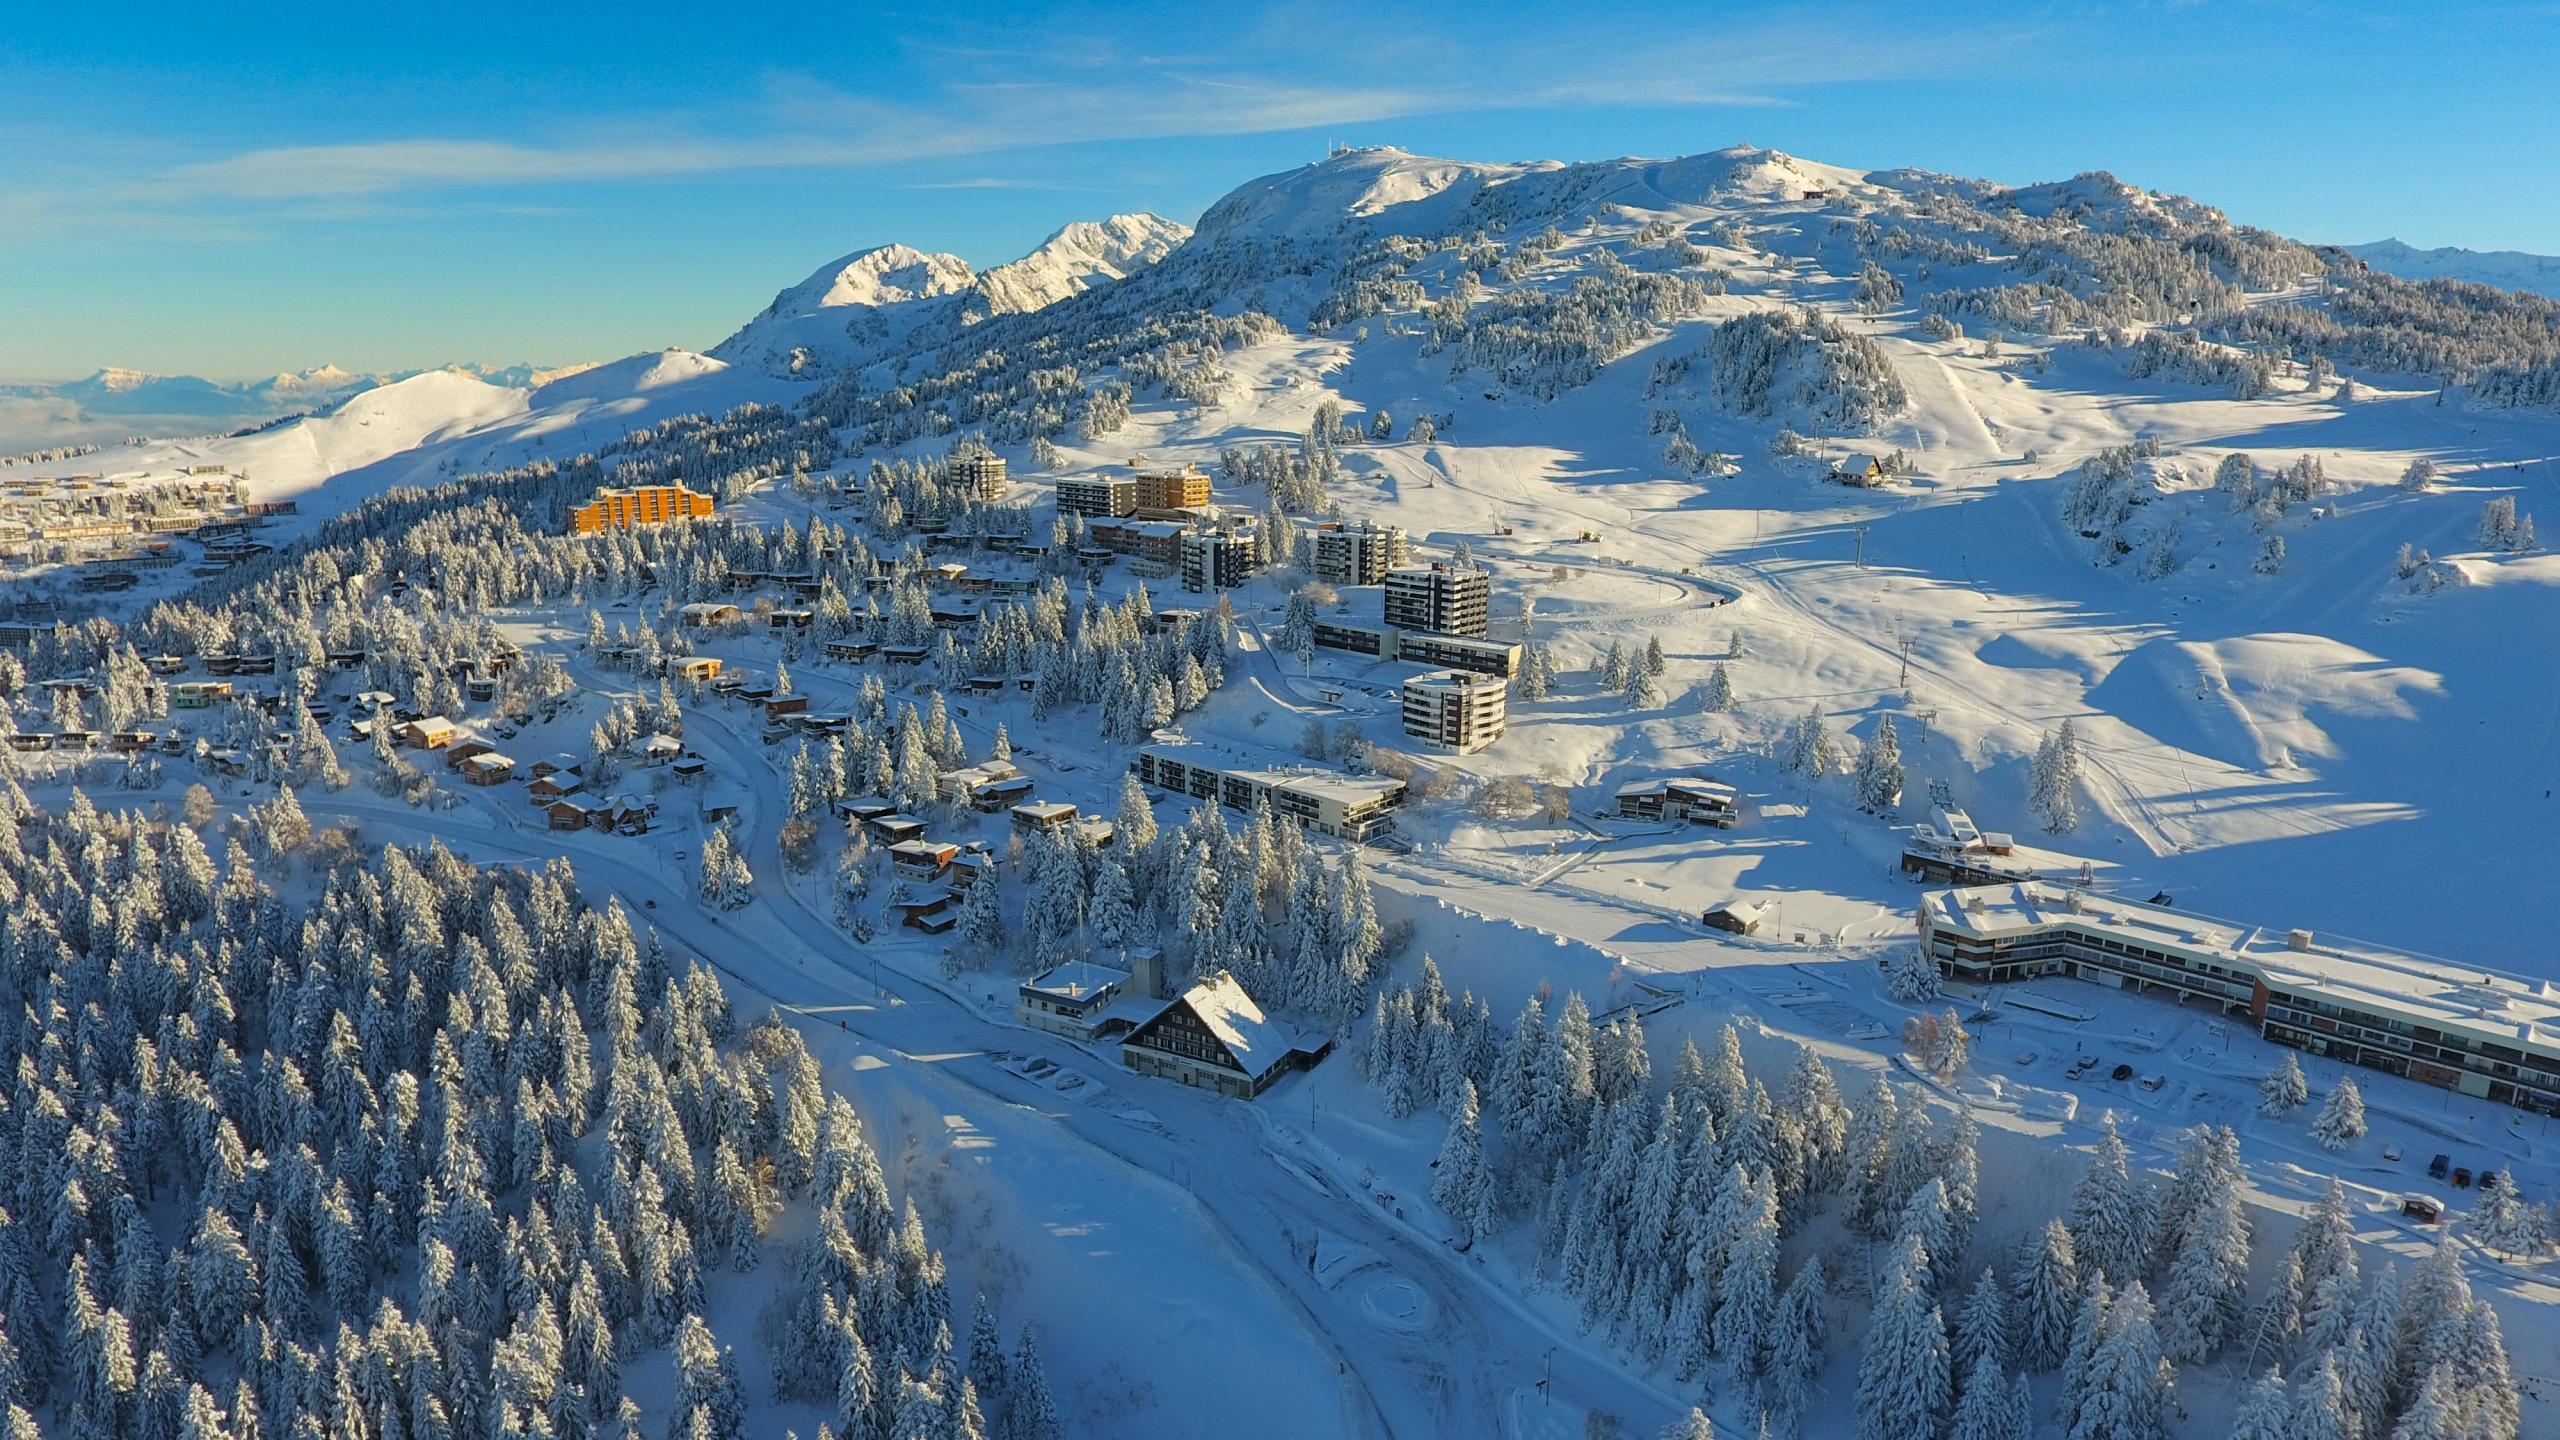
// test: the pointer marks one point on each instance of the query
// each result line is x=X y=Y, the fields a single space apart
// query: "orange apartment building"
x=638 y=505
x=1183 y=489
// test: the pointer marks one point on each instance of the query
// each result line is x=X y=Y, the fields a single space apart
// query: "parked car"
x=2437 y=1166
x=2122 y=1073
x=2080 y=1067
x=2488 y=1181
x=2154 y=1082
x=2461 y=1178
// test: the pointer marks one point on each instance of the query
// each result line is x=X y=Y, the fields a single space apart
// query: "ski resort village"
x=1705 y=796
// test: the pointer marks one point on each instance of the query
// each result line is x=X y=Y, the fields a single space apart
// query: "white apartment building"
x=1438 y=598
x=1456 y=710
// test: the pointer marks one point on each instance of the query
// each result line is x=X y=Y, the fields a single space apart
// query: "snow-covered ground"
x=2250 y=741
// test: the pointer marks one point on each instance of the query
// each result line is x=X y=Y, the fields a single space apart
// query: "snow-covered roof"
x=1077 y=980
x=1257 y=1041
x=2424 y=989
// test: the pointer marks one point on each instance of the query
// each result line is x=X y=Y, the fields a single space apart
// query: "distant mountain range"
x=116 y=404
x=2506 y=269
x=852 y=310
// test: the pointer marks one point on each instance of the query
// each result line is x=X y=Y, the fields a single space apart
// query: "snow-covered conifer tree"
x=1880 y=770
x=2341 y=1119
x=2284 y=1089
x=2048 y=1298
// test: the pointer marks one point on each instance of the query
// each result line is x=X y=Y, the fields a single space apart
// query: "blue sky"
x=228 y=193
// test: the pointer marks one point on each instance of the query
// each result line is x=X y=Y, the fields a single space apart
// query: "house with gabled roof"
x=1216 y=1037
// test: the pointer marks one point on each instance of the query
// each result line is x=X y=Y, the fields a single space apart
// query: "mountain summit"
x=852 y=310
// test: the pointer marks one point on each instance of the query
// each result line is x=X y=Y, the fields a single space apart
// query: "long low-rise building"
x=2456 y=1026
x=1355 y=807
x=1447 y=652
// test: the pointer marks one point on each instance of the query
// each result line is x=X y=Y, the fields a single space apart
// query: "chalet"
x=970 y=781
x=226 y=762
x=709 y=614
x=553 y=763
x=430 y=732
x=848 y=649
x=782 y=619
x=697 y=669
x=983 y=684
x=921 y=859
x=894 y=829
x=777 y=706
x=1093 y=831
x=165 y=664
x=257 y=664
x=692 y=768
x=1692 y=798
x=658 y=749
x=1864 y=471
x=990 y=796
x=462 y=750
x=555 y=785
x=622 y=815
x=720 y=807
x=376 y=699
x=487 y=768
x=1069 y=999
x=903 y=655
x=1739 y=917
x=952 y=614
x=1214 y=1036
x=569 y=814
x=197 y=694
x=345 y=659
x=864 y=808
x=127 y=742
x=1041 y=817
x=30 y=741
x=933 y=914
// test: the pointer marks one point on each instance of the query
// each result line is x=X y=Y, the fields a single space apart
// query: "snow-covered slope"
x=1078 y=257
x=2506 y=269
x=852 y=311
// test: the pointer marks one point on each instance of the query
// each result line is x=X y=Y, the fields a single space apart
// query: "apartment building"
x=1220 y=560
x=1359 y=554
x=1438 y=598
x=1456 y=710
x=2452 y=1025
x=979 y=475
x=1447 y=652
x=1354 y=807
x=623 y=509
x=1183 y=489
x=1098 y=497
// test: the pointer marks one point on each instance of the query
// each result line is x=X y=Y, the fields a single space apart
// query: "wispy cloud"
x=1280 y=74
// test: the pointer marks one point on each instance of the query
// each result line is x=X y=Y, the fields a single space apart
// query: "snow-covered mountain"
x=853 y=310
x=2506 y=269
x=116 y=403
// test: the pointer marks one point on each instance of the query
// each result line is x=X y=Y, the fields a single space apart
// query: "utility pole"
x=1902 y=643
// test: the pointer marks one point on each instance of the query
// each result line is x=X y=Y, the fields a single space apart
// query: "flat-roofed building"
x=1445 y=652
x=979 y=475
x=624 y=508
x=1098 y=496
x=1183 y=489
x=1361 y=554
x=1438 y=597
x=1355 y=807
x=1683 y=797
x=1220 y=559
x=2452 y=1025
x=1456 y=710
